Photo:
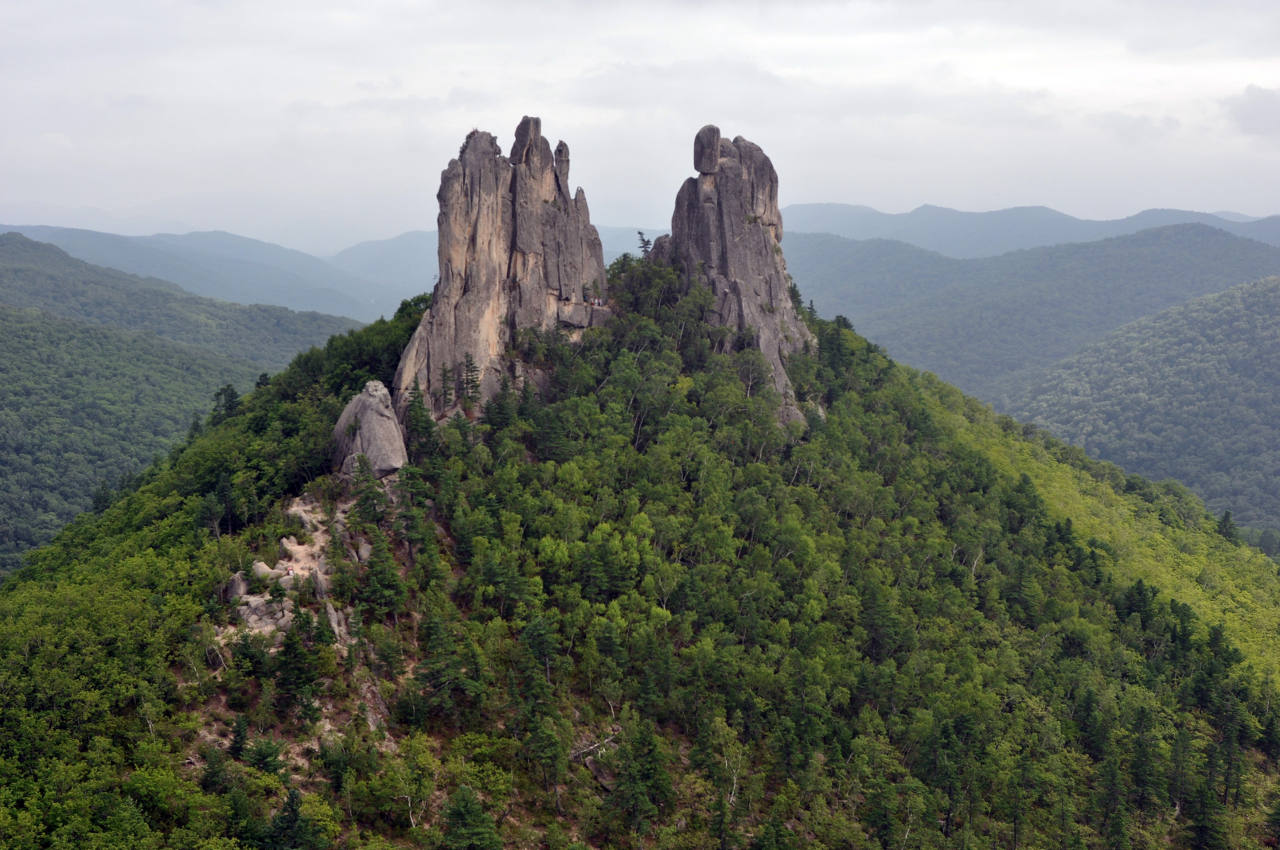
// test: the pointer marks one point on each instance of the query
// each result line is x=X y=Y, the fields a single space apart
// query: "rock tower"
x=726 y=233
x=517 y=250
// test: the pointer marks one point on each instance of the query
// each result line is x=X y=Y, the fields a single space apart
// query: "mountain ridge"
x=970 y=235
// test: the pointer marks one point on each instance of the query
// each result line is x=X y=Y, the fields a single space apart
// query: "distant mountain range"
x=987 y=234
x=224 y=266
x=1191 y=393
x=989 y=325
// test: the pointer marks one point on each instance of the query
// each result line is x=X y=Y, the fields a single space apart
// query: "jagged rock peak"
x=517 y=250
x=368 y=426
x=726 y=233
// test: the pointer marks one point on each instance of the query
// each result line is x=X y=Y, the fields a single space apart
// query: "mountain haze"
x=989 y=324
x=102 y=371
x=639 y=591
x=223 y=266
x=987 y=234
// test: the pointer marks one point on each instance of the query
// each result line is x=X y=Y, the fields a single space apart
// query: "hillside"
x=633 y=610
x=969 y=235
x=103 y=371
x=83 y=406
x=35 y=274
x=223 y=266
x=990 y=325
x=1190 y=393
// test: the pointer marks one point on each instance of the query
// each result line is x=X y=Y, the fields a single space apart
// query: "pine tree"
x=466 y=826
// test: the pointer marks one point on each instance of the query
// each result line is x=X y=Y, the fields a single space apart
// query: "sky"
x=318 y=125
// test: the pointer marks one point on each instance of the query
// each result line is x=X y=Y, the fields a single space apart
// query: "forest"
x=1188 y=394
x=102 y=371
x=629 y=609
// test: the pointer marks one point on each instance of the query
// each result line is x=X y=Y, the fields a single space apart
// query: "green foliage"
x=652 y=616
x=1188 y=394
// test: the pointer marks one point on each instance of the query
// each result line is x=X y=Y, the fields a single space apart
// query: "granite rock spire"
x=726 y=233
x=517 y=250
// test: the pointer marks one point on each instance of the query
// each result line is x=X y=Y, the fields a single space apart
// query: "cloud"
x=1135 y=128
x=1256 y=112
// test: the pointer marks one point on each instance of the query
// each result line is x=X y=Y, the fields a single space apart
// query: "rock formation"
x=517 y=250
x=726 y=233
x=368 y=426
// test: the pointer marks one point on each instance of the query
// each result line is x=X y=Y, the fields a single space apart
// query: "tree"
x=466 y=825
x=1227 y=527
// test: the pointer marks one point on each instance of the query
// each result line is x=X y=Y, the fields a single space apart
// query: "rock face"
x=726 y=233
x=368 y=426
x=517 y=250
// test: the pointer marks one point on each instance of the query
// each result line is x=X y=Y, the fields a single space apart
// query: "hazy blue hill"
x=986 y=234
x=35 y=274
x=1001 y=319
x=223 y=266
x=399 y=267
x=1192 y=393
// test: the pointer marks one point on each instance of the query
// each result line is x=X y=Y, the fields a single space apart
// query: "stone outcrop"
x=517 y=250
x=726 y=233
x=368 y=426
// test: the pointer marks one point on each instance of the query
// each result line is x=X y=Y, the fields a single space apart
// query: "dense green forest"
x=990 y=326
x=1191 y=393
x=101 y=371
x=631 y=610
x=84 y=406
x=35 y=274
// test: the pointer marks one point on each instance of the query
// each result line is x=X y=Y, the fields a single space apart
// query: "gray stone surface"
x=726 y=233
x=517 y=250
x=368 y=426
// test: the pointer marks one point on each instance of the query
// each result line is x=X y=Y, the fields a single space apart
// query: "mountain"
x=987 y=234
x=223 y=266
x=990 y=325
x=102 y=371
x=404 y=265
x=1190 y=393
x=82 y=407
x=627 y=601
x=39 y=275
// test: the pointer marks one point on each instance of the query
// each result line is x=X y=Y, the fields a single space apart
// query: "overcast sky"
x=317 y=125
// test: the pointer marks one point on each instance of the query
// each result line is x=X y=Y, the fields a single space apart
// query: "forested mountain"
x=83 y=406
x=988 y=234
x=223 y=266
x=633 y=610
x=35 y=274
x=102 y=371
x=1191 y=393
x=991 y=325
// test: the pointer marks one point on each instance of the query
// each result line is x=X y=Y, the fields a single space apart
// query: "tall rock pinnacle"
x=726 y=233
x=517 y=250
